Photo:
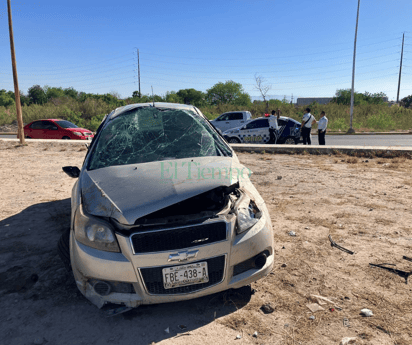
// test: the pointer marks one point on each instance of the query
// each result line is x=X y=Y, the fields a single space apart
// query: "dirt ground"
x=364 y=204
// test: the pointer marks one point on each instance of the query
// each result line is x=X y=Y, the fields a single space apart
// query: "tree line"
x=229 y=92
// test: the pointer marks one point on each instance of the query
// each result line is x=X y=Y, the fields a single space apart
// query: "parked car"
x=231 y=120
x=257 y=131
x=56 y=129
x=163 y=211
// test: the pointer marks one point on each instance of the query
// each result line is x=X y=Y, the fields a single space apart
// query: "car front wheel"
x=234 y=141
x=290 y=141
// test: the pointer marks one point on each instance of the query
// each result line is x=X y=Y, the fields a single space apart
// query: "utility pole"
x=138 y=71
x=400 y=70
x=15 y=80
x=352 y=96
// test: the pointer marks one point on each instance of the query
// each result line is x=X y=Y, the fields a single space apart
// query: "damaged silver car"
x=163 y=211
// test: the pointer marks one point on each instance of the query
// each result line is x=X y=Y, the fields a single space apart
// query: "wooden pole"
x=15 y=79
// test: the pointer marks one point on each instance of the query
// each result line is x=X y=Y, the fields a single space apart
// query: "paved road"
x=349 y=140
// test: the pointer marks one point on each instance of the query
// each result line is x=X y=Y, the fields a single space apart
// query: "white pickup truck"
x=230 y=120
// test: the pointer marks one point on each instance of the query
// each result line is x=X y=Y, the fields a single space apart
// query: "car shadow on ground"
x=32 y=272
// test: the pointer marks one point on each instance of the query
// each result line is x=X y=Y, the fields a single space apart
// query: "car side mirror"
x=72 y=171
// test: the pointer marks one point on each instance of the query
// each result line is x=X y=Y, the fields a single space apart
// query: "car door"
x=220 y=122
x=35 y=130
x=283 y=129
x=256 y=131
x=236 y=120
x=50 y=130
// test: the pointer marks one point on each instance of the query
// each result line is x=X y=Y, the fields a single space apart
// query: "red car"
x=56 y=129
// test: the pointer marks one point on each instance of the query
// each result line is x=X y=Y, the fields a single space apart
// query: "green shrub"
x=381 y=121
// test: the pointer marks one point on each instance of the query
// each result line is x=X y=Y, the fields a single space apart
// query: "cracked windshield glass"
x=152 y=134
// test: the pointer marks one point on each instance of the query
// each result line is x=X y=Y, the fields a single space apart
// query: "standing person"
x=273 y=126
x=322 y=124
x=307 y=121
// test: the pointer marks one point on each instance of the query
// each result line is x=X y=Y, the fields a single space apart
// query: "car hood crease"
x=129 y=192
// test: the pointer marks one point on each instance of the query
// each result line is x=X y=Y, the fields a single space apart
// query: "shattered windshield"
x=151 y=134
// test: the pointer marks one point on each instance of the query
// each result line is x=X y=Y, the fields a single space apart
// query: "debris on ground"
x=117 y=311
x=167 y=330
x=255 y=334
x=345 y=322
x=238 y=336
x=267 y=309
x=314 y=307
x=347 y=341
x=366 y=312
x=311 y=317
x=334 y=244
x=321 y=299
x=400 y=273
x=279 y=178
x=292 y=233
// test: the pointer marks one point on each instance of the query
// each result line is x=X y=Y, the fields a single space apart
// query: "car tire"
x=66 y=138
x=233 y=141
x=290 y=141
x=63 y=248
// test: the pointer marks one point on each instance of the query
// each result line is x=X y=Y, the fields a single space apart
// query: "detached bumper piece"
x=153 y=278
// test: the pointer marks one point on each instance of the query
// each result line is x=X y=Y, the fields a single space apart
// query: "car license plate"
x=176 y=276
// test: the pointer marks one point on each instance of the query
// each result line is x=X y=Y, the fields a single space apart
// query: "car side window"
x=261 y=123
x=36 y=125
x=224 y=117
x=236 y=116
x=48 y=125
x=282 y=122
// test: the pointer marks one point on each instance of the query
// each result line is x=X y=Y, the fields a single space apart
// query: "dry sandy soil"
x=364 y=206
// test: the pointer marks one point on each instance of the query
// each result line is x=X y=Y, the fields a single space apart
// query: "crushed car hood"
x=128 y=192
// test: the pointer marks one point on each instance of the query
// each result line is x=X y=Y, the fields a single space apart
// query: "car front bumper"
x=233 y=255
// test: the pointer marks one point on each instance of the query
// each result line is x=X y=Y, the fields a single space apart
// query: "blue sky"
x=300 y=48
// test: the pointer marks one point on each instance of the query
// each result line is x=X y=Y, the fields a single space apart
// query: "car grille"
x=153 y=278
x=173 y=239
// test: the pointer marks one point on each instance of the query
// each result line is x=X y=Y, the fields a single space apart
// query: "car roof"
x=163 y=105
x=281 y=118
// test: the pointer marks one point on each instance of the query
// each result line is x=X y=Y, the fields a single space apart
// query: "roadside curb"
x=383 y=151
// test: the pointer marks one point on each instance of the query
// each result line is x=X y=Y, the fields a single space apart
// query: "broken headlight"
x=94 y=232
x=247 y=215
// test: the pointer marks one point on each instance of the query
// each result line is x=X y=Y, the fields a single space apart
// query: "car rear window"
x=66 y=124
x=151 y=134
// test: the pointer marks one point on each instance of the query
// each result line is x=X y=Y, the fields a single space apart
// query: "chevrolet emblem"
x=183 y=256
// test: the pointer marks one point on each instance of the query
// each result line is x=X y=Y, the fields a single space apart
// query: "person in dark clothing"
x=322 y=125
x=307 y=121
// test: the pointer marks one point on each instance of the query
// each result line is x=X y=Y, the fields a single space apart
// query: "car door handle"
x=227 y=122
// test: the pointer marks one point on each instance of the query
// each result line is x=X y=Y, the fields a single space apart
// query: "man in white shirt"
x=307 y=121
x=322 y=125
x=273 y=126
